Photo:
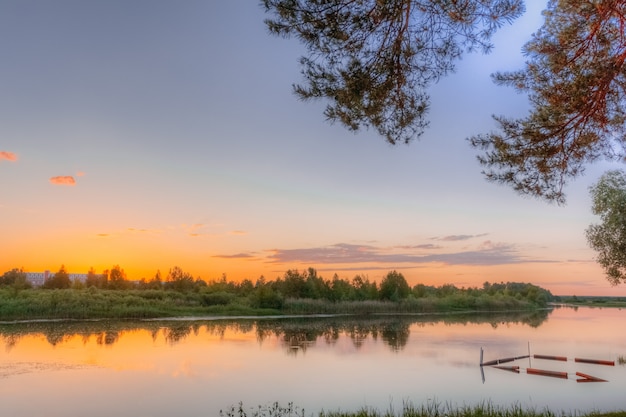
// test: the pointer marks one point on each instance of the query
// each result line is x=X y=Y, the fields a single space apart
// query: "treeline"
x=300 y=291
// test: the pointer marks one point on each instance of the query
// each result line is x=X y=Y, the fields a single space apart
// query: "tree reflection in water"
x=296 y=334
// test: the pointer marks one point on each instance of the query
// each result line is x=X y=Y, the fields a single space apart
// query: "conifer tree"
x=575 y=78
x=373 y=60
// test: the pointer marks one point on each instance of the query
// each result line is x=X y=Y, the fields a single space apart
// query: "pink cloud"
x=80 y=174
x=63 y=180
x=9 y=156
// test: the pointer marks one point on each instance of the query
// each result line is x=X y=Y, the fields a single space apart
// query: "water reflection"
x=198 y=366
x=295 y=334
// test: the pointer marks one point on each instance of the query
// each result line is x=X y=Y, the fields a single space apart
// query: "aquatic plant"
x=430 y=409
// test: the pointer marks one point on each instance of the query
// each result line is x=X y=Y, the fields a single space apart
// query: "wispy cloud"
x=196 y=229
x=239 y=232
x=455 y=238
x=130 y=231
x=235 y=256
x=63 y=180
x=487 y=253
x=8 y=156
x=427 y=246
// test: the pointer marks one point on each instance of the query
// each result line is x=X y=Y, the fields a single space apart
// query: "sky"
x=157 y=133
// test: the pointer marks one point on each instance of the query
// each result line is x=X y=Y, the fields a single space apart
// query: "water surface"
x=196 y=368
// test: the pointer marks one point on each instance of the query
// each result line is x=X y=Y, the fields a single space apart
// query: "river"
x=198 y=367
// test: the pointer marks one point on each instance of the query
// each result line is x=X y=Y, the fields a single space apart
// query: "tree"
x=179 y=280
x=609 y=237
x=60 y=279
x=373 y=59
x=394 y=287
x=13 y=277
x=575 y=78
x=117 y=279
x=95 y=280
x=156 y=283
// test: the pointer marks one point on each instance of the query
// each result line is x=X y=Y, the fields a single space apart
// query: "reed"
x=430 y=409
x=94 y=303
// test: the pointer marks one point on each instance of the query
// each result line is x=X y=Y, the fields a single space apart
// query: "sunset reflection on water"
x=160 y=368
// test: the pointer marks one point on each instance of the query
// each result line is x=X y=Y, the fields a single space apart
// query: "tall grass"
x=93 y=303
x=430 y=409
x=455 y=302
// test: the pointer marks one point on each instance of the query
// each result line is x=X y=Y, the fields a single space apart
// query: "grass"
x=93 y=303
x=431 y=409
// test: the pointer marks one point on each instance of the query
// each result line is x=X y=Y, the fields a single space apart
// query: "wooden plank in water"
x=595 y=361
x=551 y=358
x=588 y=378
x=504 y=360
x=509 y=368
x=554 y=374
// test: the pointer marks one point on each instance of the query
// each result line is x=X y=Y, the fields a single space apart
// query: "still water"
x=195 y=368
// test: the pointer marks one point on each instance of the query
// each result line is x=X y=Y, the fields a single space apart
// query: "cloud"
x=133 y=230
x=239 y=232
x=486 y=254
x=196 y=229
x=456 y=238
x=428 y=246
x=236 y=256
x=8 y=156
x=63 y=180
x=80 y=174
x=130 y=231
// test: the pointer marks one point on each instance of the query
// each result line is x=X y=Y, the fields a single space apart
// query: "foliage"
x=394 y=287
x=373 y=60
x=128 y=299
x=96 y=280
x=59 y=280
x=15 y=278
x=575 y=77
x=179 y=280
x=117 y=279
x=609 y=237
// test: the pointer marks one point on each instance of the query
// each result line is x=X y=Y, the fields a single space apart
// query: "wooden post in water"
x=588 y=378
x=554 y=374
x=595 y=361
x=551 y=358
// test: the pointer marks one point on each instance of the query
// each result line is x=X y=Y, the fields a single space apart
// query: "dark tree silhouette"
x=374 y=60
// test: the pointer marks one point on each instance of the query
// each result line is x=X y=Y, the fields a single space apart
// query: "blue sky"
x=176 y=141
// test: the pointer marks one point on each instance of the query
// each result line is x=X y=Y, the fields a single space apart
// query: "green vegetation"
x=431 y=409
x=593 y=301
x=111 y=295
x=609 y=237
x=372 y=63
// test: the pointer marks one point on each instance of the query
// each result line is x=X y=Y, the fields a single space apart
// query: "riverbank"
x=94 y=303
x=593 y=301
x=432 y=409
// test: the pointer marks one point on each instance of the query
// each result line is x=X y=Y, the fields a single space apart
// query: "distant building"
x=78 y=277
x=37 y=279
